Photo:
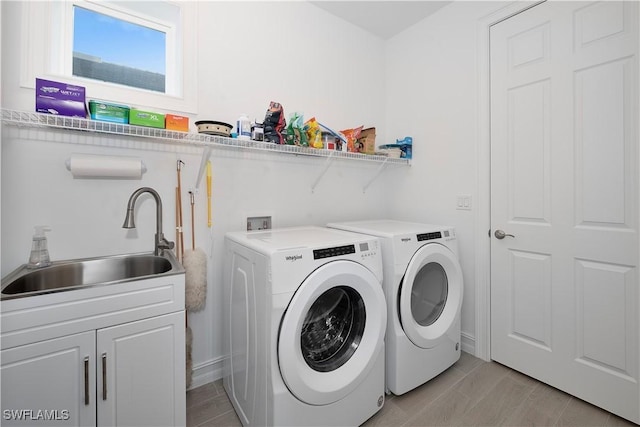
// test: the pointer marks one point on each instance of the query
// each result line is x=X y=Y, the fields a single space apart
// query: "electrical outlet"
x=259 y=223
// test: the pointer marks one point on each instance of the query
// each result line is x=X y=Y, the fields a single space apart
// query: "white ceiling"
x=382 y=18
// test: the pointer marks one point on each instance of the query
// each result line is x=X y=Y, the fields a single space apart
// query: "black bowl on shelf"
x=212 y=127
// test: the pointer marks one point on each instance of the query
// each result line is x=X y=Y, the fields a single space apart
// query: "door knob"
x=501 y=234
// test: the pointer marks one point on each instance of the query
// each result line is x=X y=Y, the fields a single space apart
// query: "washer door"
x=430 y=295
x=332 y=332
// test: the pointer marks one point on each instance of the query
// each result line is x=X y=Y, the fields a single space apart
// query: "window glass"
x=113 y=50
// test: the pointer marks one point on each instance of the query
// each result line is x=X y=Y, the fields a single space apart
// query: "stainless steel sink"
x=74 y=274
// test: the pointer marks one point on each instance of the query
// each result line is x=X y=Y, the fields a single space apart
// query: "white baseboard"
x=468 y=343
x=212 y=370
x=207 y=372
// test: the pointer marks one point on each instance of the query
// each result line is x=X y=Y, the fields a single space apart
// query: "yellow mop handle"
x=209 y=194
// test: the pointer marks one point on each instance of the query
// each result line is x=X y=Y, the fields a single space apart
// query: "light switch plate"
x=463 y=202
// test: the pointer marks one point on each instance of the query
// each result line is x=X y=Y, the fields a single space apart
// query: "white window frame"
x=47 y=50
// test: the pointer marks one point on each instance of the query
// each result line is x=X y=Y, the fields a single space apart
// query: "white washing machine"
x=423 y=288
x=305 y=318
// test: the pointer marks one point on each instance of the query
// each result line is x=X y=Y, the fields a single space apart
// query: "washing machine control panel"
x=368 y=249
x=336 y=251
x=365 y=249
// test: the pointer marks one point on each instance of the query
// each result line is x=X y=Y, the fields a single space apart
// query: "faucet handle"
x=165 y=244
x=162 y=244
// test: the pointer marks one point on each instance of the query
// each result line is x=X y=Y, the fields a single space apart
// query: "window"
x=139 y=53
x=114 y=50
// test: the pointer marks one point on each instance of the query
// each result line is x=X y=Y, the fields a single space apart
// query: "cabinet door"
x=50 y=383
x=141 y=373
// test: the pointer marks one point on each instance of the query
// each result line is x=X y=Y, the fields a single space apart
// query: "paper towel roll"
x=94 y=166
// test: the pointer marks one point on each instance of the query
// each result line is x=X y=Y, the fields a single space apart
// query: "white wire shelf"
x=32 y=119
x=207 y=142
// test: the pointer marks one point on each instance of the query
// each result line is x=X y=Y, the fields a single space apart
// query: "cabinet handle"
x=86 y=380
x=104 y=376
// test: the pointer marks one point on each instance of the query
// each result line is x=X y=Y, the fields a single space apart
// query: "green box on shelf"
x=109 y=112
x=146 y=118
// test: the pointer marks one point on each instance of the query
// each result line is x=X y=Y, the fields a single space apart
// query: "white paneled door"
x=564 y=199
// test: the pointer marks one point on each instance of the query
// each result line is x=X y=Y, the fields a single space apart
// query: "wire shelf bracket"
x=380 y=169
x=203 y=165
x=324 y=170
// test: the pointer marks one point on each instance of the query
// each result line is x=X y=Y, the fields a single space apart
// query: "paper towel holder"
x=105 y=167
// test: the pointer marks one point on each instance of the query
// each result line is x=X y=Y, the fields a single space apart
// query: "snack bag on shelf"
x=274 y=123
x=314 y=133
x=352 y=135
x=295 y=131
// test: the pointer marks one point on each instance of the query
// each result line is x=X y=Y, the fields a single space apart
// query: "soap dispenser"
x=39 y=256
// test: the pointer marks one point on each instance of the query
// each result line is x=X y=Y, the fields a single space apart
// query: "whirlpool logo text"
x=293 y=257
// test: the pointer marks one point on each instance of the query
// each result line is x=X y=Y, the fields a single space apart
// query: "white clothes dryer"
x=305 y=318
x=423 y=287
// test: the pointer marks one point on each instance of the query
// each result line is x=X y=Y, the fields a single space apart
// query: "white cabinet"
x=50 y=382
x=127 y=375
x=141 y=373
x=109 y=355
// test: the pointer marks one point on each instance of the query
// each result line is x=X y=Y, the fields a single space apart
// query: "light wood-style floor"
x=470 y=393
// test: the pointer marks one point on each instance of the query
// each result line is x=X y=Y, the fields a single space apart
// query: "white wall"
x=422 y=83
x=432 y=88
x=293 y=53
x=315 y=64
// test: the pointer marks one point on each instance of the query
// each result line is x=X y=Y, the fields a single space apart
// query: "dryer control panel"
x=446 y=234
x=429 y=236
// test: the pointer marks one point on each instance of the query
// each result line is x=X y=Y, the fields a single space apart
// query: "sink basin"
x=72 y=274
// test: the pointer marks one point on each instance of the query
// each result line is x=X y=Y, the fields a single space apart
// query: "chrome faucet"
x=160 y=242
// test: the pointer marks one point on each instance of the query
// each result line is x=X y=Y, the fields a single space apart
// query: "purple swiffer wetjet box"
x=60 y=98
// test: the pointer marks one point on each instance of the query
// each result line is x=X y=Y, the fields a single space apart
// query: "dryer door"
x=332 y=332
x=430 y=295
